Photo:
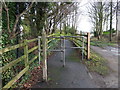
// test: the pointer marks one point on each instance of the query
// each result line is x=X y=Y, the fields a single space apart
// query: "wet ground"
x=113 y=50
x=73 y=75
x=111 y=54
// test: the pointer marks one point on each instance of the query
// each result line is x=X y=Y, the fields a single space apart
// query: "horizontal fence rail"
x=11 y=48
x=22 y=58
x=63 y=36
x=86 y=40
x=32 y=40
x=4 y=68
x=43 y=47
x=9 y=84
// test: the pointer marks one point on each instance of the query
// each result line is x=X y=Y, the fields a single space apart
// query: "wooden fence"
x=85 y=44
x=27 y=62
x=41 y=39
x=14 y=62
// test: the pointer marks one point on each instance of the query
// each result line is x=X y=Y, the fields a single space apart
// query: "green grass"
x=108 y=32
x=102 y=43
x=97 y=64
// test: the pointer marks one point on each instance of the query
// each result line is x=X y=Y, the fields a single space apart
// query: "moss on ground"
x=97 y=64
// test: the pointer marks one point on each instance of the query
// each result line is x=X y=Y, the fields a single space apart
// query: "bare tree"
x=13 y=33
x=117 y=18
x=0 y=18
x=111 y=20
x=96 y=15
x=58 y=14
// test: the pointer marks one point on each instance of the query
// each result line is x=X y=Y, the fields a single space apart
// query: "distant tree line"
x=102 y=15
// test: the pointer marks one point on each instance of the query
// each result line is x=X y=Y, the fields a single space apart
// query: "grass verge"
x=97 y=64
x=102 y=43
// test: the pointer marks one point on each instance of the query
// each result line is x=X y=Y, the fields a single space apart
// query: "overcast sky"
x=83 y=21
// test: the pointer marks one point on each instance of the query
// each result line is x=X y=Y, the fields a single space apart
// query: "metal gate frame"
x=44 y=38
x=62 y=49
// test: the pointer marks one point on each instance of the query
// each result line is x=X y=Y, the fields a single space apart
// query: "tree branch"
x=8 y=18
x=18 y=16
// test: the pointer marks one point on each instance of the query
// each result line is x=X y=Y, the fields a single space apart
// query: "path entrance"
x=73 y=75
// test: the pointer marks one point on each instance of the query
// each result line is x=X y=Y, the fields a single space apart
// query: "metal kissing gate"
x=62 y=49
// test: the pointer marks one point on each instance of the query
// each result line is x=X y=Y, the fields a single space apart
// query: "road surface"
x=111 y=55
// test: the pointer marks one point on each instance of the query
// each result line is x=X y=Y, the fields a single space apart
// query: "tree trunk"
x=0 y=30
x=101 y=19
x=111 y=20
x=54 y=25
x=0 y=18
x=117 y=19
x=18 y=28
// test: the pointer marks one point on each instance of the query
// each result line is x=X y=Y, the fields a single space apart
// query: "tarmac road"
x=111 y=55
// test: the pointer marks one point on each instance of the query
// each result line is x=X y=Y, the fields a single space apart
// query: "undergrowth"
x=24 y=81
x=26 y=77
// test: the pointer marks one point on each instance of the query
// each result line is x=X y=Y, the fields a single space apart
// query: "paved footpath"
x=73 y=75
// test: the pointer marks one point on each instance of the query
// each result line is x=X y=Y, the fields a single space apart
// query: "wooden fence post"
x=26 y=53
x=88 y=45
x=44 y=56
x=39 y=48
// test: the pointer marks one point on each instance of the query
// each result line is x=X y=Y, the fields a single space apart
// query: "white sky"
x=83 y=23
